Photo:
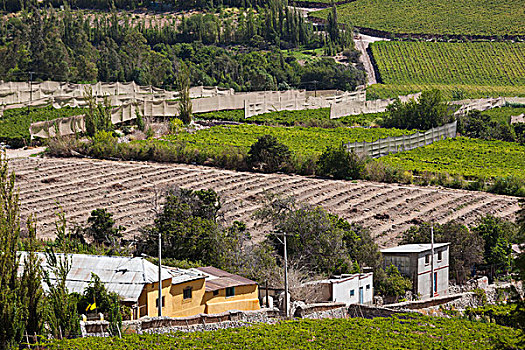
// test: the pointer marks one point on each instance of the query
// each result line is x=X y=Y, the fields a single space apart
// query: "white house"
x=415 y=262
x=349 y=289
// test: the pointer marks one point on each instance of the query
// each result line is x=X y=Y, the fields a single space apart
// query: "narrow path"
x=361 y=43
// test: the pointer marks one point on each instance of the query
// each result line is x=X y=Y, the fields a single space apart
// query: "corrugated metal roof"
x=413 y=248
x=124 y=275
x=220 y=279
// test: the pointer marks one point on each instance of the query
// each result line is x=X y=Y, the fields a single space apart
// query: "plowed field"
x=128 y=189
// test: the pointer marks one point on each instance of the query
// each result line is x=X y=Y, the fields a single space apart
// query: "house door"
x=360 y=295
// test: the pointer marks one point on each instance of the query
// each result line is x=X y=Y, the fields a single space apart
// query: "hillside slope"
x=128 y=189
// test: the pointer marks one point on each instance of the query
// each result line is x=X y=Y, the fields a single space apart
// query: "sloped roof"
x=412 y=248
x=220 y=279
x=124 y=275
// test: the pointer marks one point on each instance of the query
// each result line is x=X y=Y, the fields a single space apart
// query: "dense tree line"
x=18 y=5
x=67 y=47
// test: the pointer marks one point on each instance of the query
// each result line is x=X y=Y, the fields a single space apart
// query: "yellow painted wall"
x=174 y=303
x=246 y=298
x=179 y=307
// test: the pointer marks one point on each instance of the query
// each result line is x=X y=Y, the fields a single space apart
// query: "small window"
x=157 y=302
x=215 y=292
x=352 y=292
x=187 y=293
x=230 y=291
x=440 y=255
x=367 y=287
x=427 y=259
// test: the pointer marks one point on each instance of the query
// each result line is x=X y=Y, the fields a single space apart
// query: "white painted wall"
x=342 y=288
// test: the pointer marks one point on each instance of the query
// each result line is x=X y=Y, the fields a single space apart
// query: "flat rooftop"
x=413 y=248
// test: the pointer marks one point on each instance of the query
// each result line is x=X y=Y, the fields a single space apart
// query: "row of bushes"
x=268 y=155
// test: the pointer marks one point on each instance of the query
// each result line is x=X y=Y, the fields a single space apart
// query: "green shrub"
x=338 y=163
x=269 y=155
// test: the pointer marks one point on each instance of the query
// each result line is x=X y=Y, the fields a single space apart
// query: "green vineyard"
x=305 y=141
x=14 y=124
x=441 y=17
x=409 y=332
x=308 y=117
x=450 y=92
x=470 y=158
x=469 y=63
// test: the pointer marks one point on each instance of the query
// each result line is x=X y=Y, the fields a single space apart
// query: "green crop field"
x=468 y=63
x=441 y=17
x=305 y=141
x=471 y=158
x=503 y=114
x=309 y=117
x=450 y=92
x=408 y=332
x=460 y=70
x=14 y=124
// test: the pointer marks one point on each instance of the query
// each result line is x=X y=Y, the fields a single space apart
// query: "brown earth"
x=128 y=189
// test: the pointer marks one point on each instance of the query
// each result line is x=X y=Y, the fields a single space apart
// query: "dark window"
x=215 y=292
x=427 y=259
x=367 y=286
x=352 y=292
x=230 y=291
x=157 y=302
x=187 y=293
x=440 y=255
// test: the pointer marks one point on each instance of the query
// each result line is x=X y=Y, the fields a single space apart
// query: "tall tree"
x=12 y=309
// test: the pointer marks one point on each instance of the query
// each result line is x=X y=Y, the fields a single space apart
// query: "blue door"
x=361 y=295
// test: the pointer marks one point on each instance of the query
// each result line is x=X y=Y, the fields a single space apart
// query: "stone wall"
x=201 y=322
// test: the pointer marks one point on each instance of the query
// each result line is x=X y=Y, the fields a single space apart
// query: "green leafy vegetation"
x=310 y=117
x=14 y=124
x=450 y=92
x=407 y=332
x=440 y=17
x=301 y=140
x=468 y=63
x=470 y=158
x=427 y=112
x=503 y=114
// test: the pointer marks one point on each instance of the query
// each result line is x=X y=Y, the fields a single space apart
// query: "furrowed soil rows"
x=129 y=190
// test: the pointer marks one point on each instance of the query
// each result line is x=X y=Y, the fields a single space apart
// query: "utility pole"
x=160 y=275
x=432 y=287
x=30 y=83
x=286 y=297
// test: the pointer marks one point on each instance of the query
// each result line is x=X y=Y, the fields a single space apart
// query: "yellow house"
x=226 y=291
x=135 y=280
x=182 y=294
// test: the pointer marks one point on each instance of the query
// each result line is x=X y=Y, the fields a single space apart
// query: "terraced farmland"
x=128 y=190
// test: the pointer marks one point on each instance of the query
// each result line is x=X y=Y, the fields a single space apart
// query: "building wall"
x=245 y=299
x=174 y=303
x=441 y=267
x=341 y=289
x=414 y=266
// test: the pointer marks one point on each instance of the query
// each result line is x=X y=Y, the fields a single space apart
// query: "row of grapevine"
x=469 y=63
x=470 y=158
x=438 y=17
x=405 y=332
